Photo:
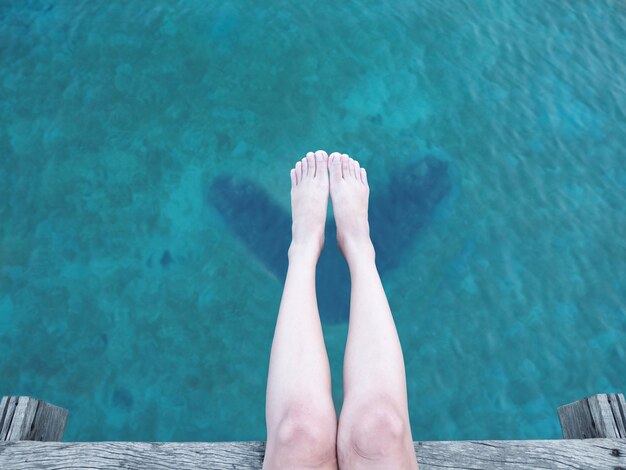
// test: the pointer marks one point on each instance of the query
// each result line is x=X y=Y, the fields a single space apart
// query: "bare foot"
x=309 y=203
x=349 y=193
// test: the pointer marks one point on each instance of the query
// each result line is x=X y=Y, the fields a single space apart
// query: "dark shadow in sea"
x=397 y=213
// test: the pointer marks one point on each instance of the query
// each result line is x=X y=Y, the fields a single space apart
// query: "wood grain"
x=24 y=418
x=586 y=454
x=601 y=415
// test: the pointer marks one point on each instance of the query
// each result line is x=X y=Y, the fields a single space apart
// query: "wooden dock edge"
x=568 y=454
x=599 y=414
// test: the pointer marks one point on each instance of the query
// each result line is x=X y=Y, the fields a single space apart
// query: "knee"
x=307 y=435
x=380 y=431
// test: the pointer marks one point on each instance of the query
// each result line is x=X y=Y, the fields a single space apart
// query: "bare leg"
x=374 y=429
x=300 y=415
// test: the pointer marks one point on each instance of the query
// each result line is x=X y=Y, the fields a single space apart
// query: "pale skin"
x=373 y=430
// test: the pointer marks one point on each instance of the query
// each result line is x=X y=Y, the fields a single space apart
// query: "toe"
x=345 y=165
x=298 y=172
x=292 y=174
x=334 y=166
x=364 y=176
x=353 y=168
x=321 y=165
x=310 y=159
x=357 y=171
x=305 y=168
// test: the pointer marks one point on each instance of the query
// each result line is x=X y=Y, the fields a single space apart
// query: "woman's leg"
x=374 y=429
x=300 y=415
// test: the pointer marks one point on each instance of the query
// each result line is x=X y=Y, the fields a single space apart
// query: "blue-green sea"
x=145 y=149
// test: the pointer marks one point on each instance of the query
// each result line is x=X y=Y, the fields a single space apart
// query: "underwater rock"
x=166 y=259
x=122 y=398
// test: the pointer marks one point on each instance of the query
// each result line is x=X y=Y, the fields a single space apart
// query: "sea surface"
x=145 y=149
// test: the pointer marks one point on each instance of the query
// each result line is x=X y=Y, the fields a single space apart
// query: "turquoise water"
x=145 y=149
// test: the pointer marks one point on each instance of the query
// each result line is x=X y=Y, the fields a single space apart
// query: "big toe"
x=310 y=163
x=321 y=166
x=334 y=166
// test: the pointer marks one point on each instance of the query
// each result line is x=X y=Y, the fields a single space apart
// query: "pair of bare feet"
x=313 y=179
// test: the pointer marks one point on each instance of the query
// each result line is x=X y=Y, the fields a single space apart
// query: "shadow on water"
x=398 y=213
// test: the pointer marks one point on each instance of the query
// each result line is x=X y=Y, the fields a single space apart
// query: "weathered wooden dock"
x=594 y=431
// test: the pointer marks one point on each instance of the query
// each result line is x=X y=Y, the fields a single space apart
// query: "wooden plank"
x=601 y=415
x=618 y=406
x=589 y=454
x=24 y=418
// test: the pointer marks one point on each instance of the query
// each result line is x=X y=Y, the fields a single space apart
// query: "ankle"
x=358 y=251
